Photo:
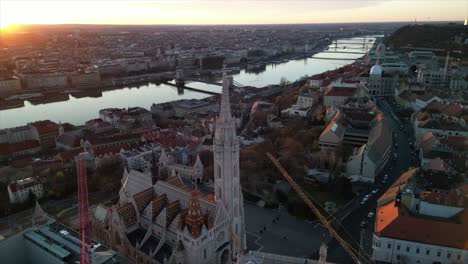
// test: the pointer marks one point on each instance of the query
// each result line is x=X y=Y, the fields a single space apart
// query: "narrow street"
x=351 y=224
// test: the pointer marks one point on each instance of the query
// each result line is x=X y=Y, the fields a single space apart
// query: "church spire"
x=228 y=190
x=225 y=108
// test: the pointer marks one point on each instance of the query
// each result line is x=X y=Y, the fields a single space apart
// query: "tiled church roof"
x=127 y=214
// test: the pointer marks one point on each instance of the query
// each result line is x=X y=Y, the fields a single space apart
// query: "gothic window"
x=219 y=171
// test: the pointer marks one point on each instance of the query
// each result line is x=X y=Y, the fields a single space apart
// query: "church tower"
x=228 y=191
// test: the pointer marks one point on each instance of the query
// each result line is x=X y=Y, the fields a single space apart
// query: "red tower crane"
x=85 y=227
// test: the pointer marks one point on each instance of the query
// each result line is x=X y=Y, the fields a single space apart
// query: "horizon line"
x=238 y=24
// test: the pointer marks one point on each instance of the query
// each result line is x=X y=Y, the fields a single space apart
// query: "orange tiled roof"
x=158 y=204
x=390 y=194
x=397 y=222
x=143 y=198
x=127 y=214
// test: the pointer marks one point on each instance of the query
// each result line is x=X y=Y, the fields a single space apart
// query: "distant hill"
x=446 y=37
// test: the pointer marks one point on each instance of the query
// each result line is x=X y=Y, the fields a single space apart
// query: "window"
x=398 y=247
x=407 y=249
x=449 y=255
x=417 y=251
x=389 y=245
x=438 y=254
x=459 y=257
x=428 y=252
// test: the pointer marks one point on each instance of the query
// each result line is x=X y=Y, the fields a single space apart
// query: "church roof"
x=143 y=198
x=194 y=218
x=127 y=214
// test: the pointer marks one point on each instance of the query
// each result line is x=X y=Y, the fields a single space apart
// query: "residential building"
x=399 y=68
x=85 y=78
x=431 y=78
x=187 y=107
x=371 y=158
x=414 y=225
x=46 y=131
x=315 y=82
x=43 y=80
x=302 y=107
x=98 y=125
x=19 y=149
x=141 y=158
x=426 y=58
x=17 y=134
x=163 y=110
x=337 y=93
x=9 y=84
x=332 y=136
x=19 y=191
x=48 y=241
x=441 y=119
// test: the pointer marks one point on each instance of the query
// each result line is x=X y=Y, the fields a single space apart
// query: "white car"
x=371 y=214
x=375 y=191
x=364 y=200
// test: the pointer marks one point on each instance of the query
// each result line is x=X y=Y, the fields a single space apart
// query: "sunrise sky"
x=226 y=11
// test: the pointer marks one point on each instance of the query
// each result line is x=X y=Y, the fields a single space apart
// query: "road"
x=351 y=224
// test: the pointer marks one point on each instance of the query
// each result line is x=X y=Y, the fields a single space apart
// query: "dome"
x=376 y=70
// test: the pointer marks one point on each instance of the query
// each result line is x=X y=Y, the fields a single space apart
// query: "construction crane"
x=356 y=256
x=83 y=206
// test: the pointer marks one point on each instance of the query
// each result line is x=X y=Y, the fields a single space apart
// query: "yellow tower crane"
x=355 y=255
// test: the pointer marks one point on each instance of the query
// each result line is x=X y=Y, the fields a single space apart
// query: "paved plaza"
x=287 y=236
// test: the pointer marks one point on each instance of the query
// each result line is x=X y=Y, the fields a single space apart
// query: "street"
x=351 y=224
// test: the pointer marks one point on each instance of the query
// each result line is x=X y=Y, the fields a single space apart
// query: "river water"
x=79 y=110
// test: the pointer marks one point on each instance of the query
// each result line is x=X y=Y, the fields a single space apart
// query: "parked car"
x=363 y=223
x=371 y=214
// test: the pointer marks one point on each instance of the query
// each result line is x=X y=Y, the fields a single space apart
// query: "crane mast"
x=85 y=228
x=351 y=252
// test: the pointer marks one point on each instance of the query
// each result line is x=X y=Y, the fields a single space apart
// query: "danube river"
x=78 y=110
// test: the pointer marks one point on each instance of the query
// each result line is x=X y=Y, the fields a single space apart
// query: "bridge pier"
x=179 y=78
x=180 y=89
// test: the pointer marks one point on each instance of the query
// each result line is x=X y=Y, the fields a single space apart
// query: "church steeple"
x=228 y=190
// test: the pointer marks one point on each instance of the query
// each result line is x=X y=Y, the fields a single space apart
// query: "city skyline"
x=206 y=12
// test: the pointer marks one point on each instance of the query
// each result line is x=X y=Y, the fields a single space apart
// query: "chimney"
x=398 y=198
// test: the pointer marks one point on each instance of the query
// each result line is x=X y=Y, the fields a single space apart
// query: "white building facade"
x=19 y=191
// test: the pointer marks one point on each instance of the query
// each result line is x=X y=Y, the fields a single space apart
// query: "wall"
x=436 y=210
x=10 y=85
x=386 y=250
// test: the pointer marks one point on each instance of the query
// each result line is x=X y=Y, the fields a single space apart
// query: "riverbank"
x=81 y=105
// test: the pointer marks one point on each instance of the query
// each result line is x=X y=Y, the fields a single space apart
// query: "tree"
x=284 y=81
x=279 y=102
